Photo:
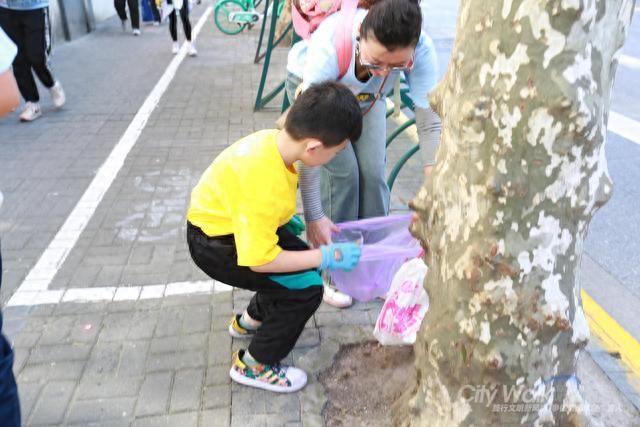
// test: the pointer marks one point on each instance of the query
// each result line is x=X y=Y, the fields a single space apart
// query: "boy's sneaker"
x=237 y=331
x=31 y=112
x=175 y=48
x=278 y=378
x=136 y=32
x=57 y=95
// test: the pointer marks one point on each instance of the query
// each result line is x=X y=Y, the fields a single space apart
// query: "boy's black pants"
x=283 y=312
x=30 y=30
x=133 y=10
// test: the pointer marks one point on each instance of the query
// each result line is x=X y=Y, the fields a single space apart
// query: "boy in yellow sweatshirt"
x=237 y=231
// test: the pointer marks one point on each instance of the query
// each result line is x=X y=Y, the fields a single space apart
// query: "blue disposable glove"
x=340 y=256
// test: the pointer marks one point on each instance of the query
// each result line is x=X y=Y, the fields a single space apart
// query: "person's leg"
x=134 y=11
x=38 y=44
x=186 y=23
x=12 y=23
x=286 y=312
x=370 y=152
x=339 y=186
x=119 y=5
x=154 y=11
x=173 y=26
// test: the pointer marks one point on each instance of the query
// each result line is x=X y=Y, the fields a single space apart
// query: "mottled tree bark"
x=519 y=175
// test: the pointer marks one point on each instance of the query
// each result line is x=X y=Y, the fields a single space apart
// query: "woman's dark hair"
x=394 y=23
x=325 y=111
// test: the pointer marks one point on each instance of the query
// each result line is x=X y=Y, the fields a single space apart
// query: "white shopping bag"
x=406 y=304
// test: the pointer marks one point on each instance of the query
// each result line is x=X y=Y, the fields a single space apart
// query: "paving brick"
x=26 y=339
x=216 y=397
x=219 y=348
x=99 y=410
x=169 y=323
x=197 y=320
x=108 y=387
x=218 y=375
x=154 y=395
x=28 y=393
x=57 y=330
x=59 y=353
x=173 y=420
x=143 y=326
x=52 y=403
x=104 y=359
x=308 y=338
x=187 y=390
x=20 y=357
x=355 y=317
x=164 y=345
x=196 y=341
x=220 y=417
x=133 y=358
x=52 y=371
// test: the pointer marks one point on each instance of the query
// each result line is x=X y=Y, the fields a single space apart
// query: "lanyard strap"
x=377 y=97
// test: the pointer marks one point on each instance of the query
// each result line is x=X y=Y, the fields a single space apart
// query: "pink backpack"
x=308 y=14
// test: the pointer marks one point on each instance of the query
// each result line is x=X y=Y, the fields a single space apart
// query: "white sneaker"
x=136 y=32
x=335 y=298
x=192 y=49
x=57 y=95
x=31 y=112
x=278 y=378
x=175 y=48
x=156 y=23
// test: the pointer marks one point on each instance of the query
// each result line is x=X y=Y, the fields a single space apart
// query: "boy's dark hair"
x=395 y=23
x=325 y=111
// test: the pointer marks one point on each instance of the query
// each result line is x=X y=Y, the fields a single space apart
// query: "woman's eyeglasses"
x=377 y=68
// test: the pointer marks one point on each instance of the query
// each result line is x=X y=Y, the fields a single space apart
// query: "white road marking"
x=624 y=126
x=116 y=294
x=40 y=276
x=629 y=61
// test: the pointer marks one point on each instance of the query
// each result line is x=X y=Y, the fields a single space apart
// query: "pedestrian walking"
x=134 y=11
x=27 y=23
x=182 y=6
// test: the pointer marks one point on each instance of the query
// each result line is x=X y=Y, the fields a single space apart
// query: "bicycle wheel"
x=221 y=16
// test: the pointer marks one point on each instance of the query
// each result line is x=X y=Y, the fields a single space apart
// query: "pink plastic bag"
x=405 y=307
x=386 y=245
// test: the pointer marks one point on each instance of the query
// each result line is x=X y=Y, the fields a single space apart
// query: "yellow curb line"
x=614 y=337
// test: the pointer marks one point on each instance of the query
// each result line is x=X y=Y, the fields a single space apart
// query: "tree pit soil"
x=364 y=382
x=367 y=378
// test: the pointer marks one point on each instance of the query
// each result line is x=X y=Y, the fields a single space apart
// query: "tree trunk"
x=520 y=172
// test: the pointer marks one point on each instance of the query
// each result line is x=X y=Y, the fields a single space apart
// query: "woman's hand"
x=319 y=231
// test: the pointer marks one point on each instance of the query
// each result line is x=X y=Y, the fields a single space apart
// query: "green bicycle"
x=233 y=16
